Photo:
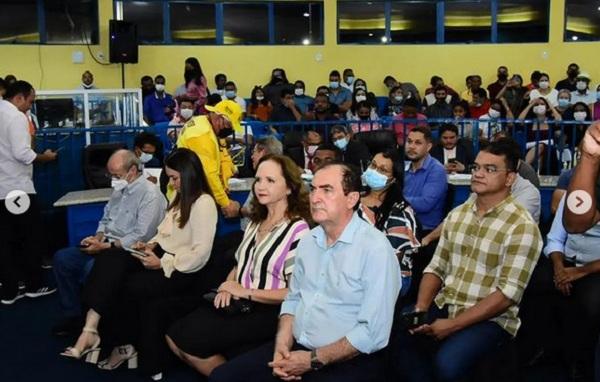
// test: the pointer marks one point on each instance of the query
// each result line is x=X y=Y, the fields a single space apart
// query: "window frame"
x=440 y=29
x=564 y=39
x=220 y=24
x=43 y=33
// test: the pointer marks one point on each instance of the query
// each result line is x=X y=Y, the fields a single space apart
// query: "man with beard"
x=494 y=89
x=205 y=135
x=569 y=83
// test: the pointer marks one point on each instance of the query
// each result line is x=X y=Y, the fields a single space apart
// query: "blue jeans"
x=71 y=269
x=422 y=358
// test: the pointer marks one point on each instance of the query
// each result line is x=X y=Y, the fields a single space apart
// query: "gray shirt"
x=134 y=213
x=526 y=194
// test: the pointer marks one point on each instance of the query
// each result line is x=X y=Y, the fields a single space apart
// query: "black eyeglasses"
x=488 y=168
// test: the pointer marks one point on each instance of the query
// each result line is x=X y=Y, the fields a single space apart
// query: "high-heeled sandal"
x=91 y=354
x=128 y=354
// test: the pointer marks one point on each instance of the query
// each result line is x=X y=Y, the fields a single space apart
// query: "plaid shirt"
x=477 y=256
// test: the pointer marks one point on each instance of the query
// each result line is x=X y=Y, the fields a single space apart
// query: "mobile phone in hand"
x=411 y=320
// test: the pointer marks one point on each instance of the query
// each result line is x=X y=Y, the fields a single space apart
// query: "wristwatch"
x=315 y=364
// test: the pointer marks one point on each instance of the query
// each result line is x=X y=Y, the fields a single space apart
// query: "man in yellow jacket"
x=205 y=135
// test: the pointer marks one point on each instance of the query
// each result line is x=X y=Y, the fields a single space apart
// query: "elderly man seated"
x=132 y=214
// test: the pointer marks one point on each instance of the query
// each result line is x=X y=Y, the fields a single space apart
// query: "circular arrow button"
x=17 y=202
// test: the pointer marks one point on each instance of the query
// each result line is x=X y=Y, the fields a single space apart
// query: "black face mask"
x=225 y=132
x=502 y=76
x=572 y=74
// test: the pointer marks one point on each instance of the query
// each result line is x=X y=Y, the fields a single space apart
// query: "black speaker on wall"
x=123 y=43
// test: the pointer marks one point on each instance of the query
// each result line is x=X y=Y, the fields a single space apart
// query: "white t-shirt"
x=588 y=97
x=16 y=155
x=239 y=100
x=551 y=97
x=449 y=154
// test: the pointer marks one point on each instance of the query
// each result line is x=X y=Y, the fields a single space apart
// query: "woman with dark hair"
x=276 y=84
x=122 y=281
x=371 y=99
x=196 y=88
x=259 y=107
x=541 y=133
x=383 y=206
x=245 y=309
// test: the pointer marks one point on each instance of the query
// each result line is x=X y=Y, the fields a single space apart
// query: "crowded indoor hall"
x=316 y=190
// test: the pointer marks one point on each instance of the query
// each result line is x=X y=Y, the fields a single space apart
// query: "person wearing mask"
x=440 y=108
x=286 y=110
x=359 y=83
x=408 y=88
x=404 y=122
x=145 y=147
x=338 y=95
x=185 y=112
x=480 y=104
x=159 y=106
x=311 y=140
x=205 y=136
x=361 y=95
x=353 y=152
x=475 y=87
x=339 y=310
x=451 y=152
x=87 y=81
x=220 y=81
x=280 y=218
x=583 y=92
x=534 y=81
x=395 y=100
x=259 y=108
x=472 y=301
x=514 y=93
x=21 y=235
x=383 y=206
x=121 y=282
x=564 y=104
x=544 y=91
x=231 y=94
x=196 y=88
x=540 y=135
x=365 y=116
x=435 y=82
x=132 y=214
x=302 y=101
x=494 y=88
x=569 y=83
x=574 y=133
x=349 y=78
x=489 y=123
x=277 y=83
x=147 y=86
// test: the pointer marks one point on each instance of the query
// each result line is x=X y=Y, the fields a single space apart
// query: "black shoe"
x=11 y=299
x=69 y=327
x=47 y=263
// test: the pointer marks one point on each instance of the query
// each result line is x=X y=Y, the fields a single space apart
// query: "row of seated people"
x=174 y=249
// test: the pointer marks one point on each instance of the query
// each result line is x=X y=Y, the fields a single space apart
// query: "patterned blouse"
x=269 y=264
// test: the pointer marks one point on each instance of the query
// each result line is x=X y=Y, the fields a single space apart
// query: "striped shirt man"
x=269 y=264
x=477 y=256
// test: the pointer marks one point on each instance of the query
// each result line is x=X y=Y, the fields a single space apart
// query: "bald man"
x=133 y=213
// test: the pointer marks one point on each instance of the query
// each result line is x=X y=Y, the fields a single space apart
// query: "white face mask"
x=493 y=113
x=581 y=85
x=159 y=88
x=360 y=98
x=186 y=113
x=297 y=91
x=544 y=85
x=145 y=157
x=118 y=184
x=579 y=115
x=260 y=98
x=87 y=86
x=539 y=109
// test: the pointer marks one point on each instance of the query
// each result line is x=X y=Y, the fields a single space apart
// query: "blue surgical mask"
x=230 y=93
x=146 y=157
x=563 y=102
x=374 y=179
x=334 y=84
x=341 y=143
x=349 y=80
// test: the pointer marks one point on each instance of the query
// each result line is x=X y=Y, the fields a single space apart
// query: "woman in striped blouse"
x=384 y=207
x=265 y=260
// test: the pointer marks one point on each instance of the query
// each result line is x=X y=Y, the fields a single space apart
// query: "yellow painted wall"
x=50 y=67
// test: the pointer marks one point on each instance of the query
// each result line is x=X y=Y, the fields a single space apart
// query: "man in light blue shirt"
x=339 y=310
x=133 y=213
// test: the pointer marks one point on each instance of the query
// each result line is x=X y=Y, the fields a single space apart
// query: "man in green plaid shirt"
x=484 y=260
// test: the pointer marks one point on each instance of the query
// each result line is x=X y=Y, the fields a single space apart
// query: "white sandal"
x=127 y=353
x=91 y=354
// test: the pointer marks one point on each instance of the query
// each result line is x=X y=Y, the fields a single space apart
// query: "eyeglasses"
x=381 y=170
x=488 y=168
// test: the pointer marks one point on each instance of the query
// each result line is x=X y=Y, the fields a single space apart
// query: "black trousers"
x=252 y=366
x=22 y=245
x=119 y=288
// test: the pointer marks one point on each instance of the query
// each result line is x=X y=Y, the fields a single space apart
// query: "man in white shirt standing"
x=20 y=232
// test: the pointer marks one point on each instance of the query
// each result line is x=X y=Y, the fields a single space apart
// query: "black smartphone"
x=452 y=160
x=413 y=320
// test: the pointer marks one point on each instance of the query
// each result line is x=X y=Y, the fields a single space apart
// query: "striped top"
x=269 y=264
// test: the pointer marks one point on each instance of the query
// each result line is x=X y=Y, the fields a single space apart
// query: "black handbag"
x=235 y=307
